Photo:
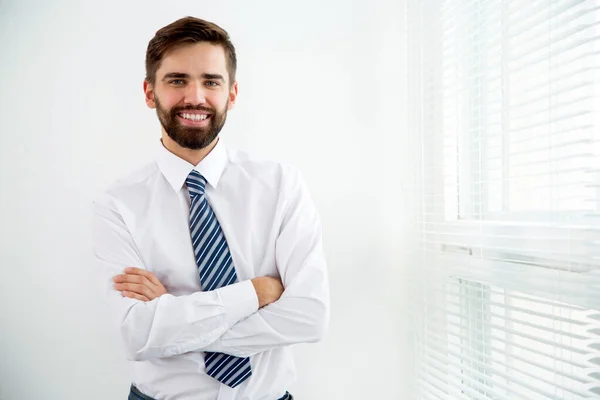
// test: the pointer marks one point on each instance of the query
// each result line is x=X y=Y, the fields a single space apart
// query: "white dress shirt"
x=272 y=228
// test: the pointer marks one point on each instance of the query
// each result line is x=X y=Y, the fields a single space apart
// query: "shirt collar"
x=176 y=170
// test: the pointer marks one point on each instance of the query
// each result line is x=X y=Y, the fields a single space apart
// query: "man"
x=213 y=260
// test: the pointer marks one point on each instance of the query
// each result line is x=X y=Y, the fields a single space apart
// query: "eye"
x=211 y=83
x=177 y=82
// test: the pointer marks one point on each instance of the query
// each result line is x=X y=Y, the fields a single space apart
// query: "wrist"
x=256 y=282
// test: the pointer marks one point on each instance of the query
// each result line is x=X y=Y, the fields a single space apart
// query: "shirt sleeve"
x=301 y=315
x=168 y=325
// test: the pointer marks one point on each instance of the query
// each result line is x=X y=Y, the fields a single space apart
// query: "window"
x=508 y=344
x=519 y=87
x=506 y=114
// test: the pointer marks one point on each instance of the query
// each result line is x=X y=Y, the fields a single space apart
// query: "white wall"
x=322 y=85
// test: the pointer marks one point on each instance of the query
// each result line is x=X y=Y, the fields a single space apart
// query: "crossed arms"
x=241 y=319
x=143 y=285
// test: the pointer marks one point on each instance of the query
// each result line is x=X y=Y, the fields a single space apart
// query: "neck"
x=190 y=155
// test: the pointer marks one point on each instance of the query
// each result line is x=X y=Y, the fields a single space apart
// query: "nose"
x=194 y=94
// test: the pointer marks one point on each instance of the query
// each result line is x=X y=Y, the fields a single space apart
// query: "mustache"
x=192 y=108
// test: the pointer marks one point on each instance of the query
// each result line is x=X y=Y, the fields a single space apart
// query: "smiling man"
x=212 y=261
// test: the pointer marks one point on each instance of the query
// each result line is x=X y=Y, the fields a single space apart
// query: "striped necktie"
x=216 y=270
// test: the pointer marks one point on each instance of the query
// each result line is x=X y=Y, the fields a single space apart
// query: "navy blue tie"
x=216 y=270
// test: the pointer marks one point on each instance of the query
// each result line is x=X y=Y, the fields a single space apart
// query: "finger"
x=153 y=279
x=125 y=278
x=136 y=296
x=134 y=287
x=142 y=272
x=135 y=271
x=129 y=278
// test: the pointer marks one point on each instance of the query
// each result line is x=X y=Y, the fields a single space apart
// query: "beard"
x=191 y=137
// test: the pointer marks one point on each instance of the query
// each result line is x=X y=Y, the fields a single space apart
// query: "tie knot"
x=196 y=183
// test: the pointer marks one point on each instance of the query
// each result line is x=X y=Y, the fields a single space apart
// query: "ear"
x=233 y=92
x=149 y=92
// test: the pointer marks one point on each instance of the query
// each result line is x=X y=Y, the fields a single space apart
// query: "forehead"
x=194 y=59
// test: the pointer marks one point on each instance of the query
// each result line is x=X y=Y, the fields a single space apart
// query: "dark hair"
x=187 y=30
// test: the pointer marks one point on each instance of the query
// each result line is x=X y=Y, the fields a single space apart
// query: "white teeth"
x=195 y=117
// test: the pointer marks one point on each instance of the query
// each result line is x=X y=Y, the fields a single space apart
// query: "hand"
x=139 y=284
x=268 y=289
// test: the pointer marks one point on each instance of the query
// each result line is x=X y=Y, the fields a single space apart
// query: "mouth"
x=194 y=118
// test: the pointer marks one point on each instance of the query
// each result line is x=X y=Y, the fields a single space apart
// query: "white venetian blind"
x=506 y=118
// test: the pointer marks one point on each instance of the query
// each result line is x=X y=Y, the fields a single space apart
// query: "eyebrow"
x=180 y=75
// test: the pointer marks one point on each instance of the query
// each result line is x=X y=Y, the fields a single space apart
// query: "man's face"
x=192 y=94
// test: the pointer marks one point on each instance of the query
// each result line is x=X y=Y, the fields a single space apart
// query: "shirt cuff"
x=240 y=301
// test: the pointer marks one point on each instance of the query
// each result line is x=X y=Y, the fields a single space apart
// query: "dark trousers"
x=135 y=394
